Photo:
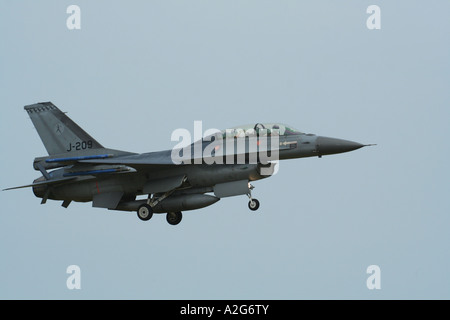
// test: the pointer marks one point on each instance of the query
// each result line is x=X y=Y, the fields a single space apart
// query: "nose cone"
x=325 y=145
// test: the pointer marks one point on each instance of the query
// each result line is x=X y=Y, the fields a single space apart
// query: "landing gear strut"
x=145 y=211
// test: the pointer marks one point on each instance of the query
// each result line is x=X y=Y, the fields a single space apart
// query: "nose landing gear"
x=253 y=204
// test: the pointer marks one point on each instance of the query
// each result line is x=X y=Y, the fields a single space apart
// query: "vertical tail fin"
x=57 y=131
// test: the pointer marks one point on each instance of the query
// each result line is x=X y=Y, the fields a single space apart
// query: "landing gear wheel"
x=253 y=204
x=174 y=218
x=144 y=212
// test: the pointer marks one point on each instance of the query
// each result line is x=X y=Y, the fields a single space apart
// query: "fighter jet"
x=78 y=168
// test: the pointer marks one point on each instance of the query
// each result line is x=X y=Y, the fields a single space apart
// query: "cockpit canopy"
x=279 y=129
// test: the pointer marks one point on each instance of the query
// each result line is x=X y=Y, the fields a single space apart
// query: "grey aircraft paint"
x=85 y=171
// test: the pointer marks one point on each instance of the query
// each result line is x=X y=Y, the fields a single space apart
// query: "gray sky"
x=137 y=71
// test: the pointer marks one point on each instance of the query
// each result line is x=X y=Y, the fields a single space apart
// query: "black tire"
x=174 y=218
x=144 y=212
x=253 y=204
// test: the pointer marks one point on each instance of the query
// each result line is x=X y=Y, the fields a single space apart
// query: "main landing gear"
x=174 y=218
x=145 y=212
